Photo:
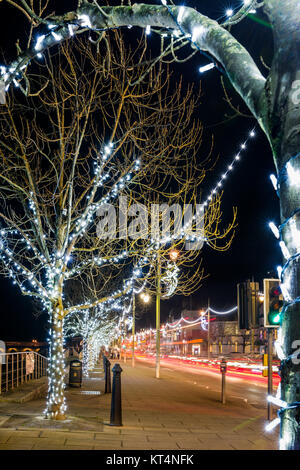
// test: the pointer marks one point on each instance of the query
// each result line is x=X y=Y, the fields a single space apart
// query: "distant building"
x=23 y=346
x=183 y=338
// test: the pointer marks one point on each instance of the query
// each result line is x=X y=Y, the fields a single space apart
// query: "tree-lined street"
x=105 y=147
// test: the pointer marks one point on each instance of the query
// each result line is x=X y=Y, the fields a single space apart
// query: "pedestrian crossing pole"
x=270 y=371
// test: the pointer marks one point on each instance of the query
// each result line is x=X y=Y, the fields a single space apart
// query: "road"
x=249 y=389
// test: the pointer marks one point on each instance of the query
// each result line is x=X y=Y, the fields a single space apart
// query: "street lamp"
x=145 y=297
x=174 y=254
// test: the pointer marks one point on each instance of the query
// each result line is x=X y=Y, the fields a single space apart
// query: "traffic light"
x=273 y=303
x=247 y=301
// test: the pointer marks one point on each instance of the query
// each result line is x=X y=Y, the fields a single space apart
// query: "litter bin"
x=75 y=374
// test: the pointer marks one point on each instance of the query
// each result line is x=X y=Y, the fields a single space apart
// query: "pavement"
x=158 y=414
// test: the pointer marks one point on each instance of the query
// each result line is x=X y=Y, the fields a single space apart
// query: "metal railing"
x=20 y=367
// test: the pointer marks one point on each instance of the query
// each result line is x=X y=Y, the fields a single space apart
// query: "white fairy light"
x=274 y=229
x=148 y=29
x=274 y=181
x=229 y=12
x=270 y=426
x=207 y=67
x=277 y=401
x=57 y=37
x=180 y=14
x=38 y=46
x=284 y=249
x=279 y=271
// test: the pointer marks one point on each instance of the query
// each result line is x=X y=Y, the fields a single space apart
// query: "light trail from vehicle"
x=239 y=369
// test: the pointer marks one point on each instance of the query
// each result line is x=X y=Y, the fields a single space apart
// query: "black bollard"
x=107 y=377
x=223 y=370
x=116 y=404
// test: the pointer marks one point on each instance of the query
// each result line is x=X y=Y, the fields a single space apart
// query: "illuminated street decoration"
x=170 y=280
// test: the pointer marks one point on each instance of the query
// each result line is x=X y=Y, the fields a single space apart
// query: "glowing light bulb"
x=274 y=181
x=39 y=42
x=274 y=229
x=56 y=36
x=207 y=67
x=180 y=14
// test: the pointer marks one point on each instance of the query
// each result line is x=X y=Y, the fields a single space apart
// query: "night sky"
x=254 y=252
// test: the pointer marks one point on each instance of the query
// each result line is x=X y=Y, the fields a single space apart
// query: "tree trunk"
x=284 y=133
x=85 y=358
x=55 y=408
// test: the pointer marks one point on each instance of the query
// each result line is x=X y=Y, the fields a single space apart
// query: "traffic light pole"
x=270 y=370
x=157 y=364
x=133 y=329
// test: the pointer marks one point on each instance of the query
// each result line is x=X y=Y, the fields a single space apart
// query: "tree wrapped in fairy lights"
x=98 y=328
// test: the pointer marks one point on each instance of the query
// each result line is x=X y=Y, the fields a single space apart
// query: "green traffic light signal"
x=276 y=305
x=273 y=303
x=274 y=318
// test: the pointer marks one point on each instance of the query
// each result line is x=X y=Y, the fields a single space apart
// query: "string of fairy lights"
x=58 y=32
x=202 y=320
